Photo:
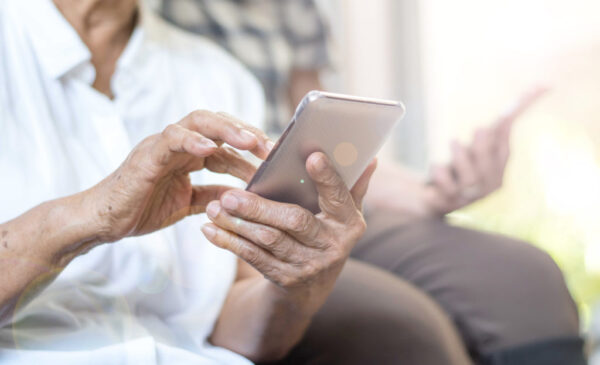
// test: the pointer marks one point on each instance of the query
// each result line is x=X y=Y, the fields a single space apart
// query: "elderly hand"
x=476 y=170
x=294 y=249
x=152 y=188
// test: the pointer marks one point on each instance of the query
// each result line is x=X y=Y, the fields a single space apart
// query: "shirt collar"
x=56 y=44
x=132 y=52
x=131 y=65
x=58 y=47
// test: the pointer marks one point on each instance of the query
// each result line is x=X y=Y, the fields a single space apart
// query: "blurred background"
x=460 y=64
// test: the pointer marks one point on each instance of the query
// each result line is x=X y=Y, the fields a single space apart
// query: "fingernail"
x=320 y=164
x=270 y=145
x=230 y=202
x=208 y=143
x=213 y=209
x=247 y=136
x=209 y=231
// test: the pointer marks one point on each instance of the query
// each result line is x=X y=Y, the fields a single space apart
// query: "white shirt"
x=146 y=300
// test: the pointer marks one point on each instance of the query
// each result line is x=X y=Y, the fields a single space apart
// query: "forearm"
x=262 y=321
x=395 y=189
x=37 y=245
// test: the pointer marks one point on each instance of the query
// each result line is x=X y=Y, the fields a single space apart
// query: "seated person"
x=284 y=43
x=87 y=92
x=100 y=266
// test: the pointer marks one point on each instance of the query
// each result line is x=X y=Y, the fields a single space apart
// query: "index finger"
x=265 y=144
x=524 y=103
x=335 y=200
x=233 y=132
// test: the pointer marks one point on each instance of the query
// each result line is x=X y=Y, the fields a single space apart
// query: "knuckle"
x=282 y=250
x=287 y=281
x=147 y=143
x=249 y=254
x=252 y=257
x=142 y=150
x=310 y=271
x=251 y=207
x=298 y=221
x=272 y=273
x=170 y=131
x=199 y=115
x=189 y=139
x=330 y=179
x=163 y=158
x=269 y=237
x=338 y=198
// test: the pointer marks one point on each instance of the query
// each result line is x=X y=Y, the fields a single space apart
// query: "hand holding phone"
x=349 y=130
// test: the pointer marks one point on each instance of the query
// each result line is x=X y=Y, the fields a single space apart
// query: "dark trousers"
x=429 y=293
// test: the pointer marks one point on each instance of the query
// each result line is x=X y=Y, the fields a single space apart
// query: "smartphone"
x=350 y=130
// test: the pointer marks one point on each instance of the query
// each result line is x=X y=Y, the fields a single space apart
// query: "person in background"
x=506 y=299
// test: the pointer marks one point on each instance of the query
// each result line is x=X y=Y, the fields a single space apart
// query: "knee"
x=527 y=293
x=373 y=317
x=539 y=268
x=533 y=273
x=506 y=268
x=547 y=289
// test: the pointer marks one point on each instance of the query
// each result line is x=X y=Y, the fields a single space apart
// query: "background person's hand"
x=475 y=170
x=294 y=249
x=152 y=188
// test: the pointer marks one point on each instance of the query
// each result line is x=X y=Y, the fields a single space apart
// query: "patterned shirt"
x=271 y=37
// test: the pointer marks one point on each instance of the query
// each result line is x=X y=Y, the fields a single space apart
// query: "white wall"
x=367 y=39
x=480 y=55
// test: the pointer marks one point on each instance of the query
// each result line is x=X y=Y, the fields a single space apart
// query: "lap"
x=373 y=317
x=499 y=292
x=429 y=293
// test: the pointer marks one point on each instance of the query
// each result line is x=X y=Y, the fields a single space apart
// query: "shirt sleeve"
x=306 y=33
